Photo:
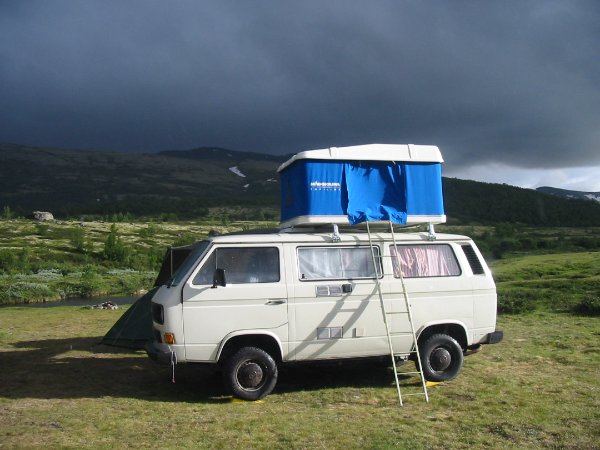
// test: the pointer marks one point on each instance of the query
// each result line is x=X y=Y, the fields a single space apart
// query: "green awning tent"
x=134 y=328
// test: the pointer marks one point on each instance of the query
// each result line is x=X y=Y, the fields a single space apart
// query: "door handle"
x=276 y=301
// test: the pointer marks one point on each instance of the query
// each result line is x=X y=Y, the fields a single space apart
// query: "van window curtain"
x=418 y=261
x=336 y=263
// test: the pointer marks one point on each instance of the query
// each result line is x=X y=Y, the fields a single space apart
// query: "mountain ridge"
x=570 y=194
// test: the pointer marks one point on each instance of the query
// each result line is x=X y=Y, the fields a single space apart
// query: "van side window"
x=334 y=263
x=474 y=262
x=242 y=265
x=420 y=261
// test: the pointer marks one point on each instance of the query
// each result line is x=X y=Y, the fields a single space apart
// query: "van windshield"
x=189 y=262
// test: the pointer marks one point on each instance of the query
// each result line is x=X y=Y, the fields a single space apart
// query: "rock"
x=105 y=305
x=43 y=216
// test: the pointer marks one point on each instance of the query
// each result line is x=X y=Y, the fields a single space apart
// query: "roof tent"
x=350 y=185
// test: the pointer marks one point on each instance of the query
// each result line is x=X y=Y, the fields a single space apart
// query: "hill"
x=70 y=183
x=472 y=201
x=578 y=195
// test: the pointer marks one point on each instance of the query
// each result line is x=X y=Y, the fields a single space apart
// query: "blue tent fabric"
x=311 y=187
x=376 y=191
x=361 y=190
x=424 y=189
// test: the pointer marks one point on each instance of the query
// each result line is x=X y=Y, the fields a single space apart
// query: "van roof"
x=324 y=234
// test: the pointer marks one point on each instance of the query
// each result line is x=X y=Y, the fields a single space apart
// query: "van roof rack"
x=361 y=227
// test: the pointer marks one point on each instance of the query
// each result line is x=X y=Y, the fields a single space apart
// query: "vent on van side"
x=474 y=262
x=329 y=291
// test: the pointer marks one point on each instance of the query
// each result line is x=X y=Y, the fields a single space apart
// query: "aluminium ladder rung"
x=412 y=352
x=400 y=333
x=409 y=373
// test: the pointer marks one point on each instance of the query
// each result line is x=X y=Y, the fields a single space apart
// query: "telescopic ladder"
x=414 y=348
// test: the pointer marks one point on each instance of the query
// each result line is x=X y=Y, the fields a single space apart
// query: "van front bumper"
x=159 y=354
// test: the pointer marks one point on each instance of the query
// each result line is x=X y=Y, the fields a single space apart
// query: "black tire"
x=441 y=356
x=250 y=374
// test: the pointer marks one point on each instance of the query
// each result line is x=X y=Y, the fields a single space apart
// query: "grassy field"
x=539 y=388
x=557 y=282
x=60 y=388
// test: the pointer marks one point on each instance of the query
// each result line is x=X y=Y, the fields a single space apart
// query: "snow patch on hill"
x=237 y=171
x=595 y=197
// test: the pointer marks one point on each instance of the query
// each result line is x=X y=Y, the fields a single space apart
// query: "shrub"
x=78 y=240
x=185 y=239
x=114 y=248
x=588 y=306
x=90 y=282
x=23 y=258
x=149 y=231
x=23 y=291
x=7 y=213
x=42 y=229
x=8 y=260
x=515 y=302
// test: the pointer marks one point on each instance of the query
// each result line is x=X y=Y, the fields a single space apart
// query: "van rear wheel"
x=250 y=374
x=441 y=356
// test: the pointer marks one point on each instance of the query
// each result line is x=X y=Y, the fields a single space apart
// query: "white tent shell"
x=372 y=152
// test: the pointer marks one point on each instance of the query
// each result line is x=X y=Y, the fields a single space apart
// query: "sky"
x=509 y=91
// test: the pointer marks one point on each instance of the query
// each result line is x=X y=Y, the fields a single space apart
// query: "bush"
x=515 y=302
x=78 y=240
x=588 y=306
x=185 y=239
x=8 y=260
x=149 y=231
x=23 y=258
x=7 y=213
x=114 y=248
x=23 y=291
x=90 y=282
x=42 y=229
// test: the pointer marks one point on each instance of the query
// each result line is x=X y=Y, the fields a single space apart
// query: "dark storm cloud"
x=509 y=82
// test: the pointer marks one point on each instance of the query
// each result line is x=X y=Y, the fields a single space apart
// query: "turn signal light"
x=169 y=338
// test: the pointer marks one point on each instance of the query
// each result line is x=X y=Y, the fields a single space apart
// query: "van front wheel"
x=250 y=374
x=441 y=356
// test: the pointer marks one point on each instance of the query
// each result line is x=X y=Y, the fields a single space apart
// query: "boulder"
x=42 y=216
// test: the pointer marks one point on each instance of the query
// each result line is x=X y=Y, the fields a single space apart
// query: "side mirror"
x=219 y=278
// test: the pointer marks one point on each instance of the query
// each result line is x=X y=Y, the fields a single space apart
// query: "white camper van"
x=306 y=292
x=251 y=301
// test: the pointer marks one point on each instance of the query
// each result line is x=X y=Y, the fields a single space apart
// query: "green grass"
x=552 y=282
x=59 y=388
